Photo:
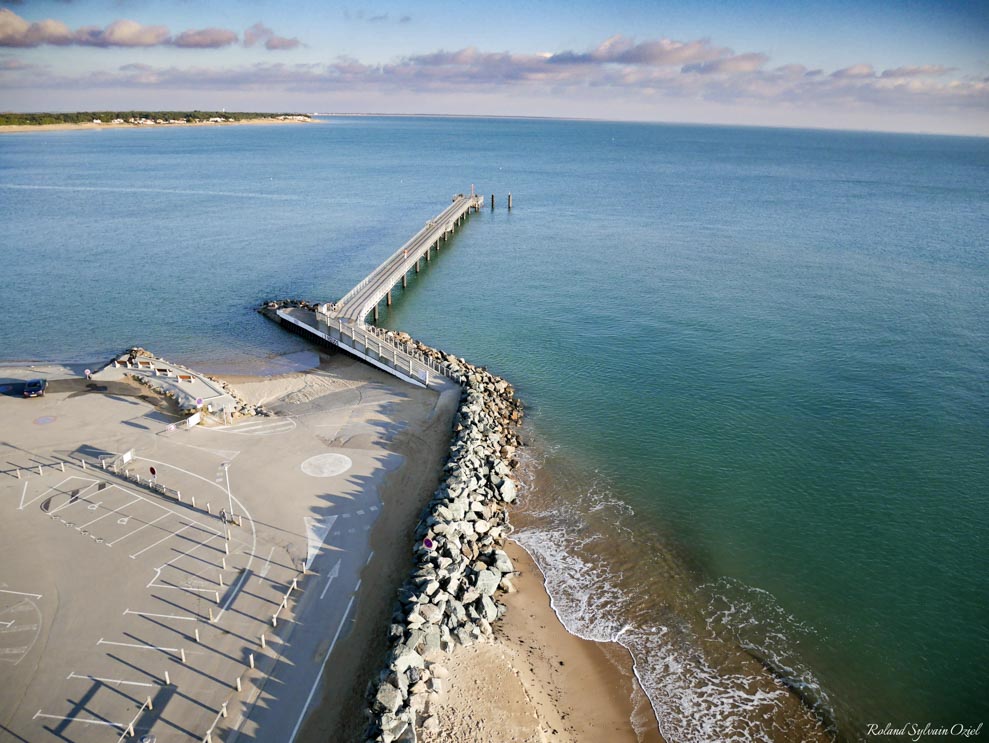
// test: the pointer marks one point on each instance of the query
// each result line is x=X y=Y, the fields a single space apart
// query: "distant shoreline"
x=4 y=128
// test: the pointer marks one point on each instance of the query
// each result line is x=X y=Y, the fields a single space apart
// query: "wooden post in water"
x=492 y=201
x=509 y=201
x=376 y=313
x=405 y=280
x=389 y=298
x=417 y=265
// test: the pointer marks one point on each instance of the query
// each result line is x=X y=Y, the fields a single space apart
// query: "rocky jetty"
x=278 y=304
x=460 y=569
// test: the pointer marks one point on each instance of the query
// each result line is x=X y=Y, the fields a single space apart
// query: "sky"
x=903 y=65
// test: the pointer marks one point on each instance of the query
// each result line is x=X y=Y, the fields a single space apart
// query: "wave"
x=716 y=661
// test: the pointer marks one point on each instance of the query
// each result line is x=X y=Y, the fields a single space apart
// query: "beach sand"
x=537 y=682
x=89 y=125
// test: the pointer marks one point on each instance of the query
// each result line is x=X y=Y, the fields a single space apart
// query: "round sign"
x=199 y=401
x=44 y=420
x=88 y=372
x=154 y=472
x=428 y=543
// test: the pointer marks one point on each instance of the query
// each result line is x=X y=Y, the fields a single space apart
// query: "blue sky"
x=911 y=65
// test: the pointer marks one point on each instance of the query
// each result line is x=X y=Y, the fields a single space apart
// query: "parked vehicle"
x=35 y=388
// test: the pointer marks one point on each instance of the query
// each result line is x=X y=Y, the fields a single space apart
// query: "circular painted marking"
x=45 y=420
x=326 y=465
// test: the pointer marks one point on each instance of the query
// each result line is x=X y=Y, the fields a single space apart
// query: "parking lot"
x=132 y=611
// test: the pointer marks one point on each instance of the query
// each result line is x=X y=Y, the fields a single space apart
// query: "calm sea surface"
x=756 y=364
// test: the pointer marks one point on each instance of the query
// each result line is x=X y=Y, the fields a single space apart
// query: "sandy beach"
x=72 y=127
x=535 y=682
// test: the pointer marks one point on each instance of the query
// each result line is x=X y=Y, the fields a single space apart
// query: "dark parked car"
x=35 y=388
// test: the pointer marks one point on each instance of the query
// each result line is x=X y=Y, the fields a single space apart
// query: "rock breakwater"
x=451 y=596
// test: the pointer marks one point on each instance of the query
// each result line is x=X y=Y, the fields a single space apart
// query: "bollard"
x=211 y=620
x=168 y=681
x=130 y=730
x=62 y=465
x=197 y=634
x=42 y=474
x=509 y=201
x=284 y=602
x=492 y=201
x=18 y=473
x=83 y=464
x=274 y=620
x=209 y=510
x=223 y=709
x=217 y=594
x=264 y=643
x=209 y=737
x=223 y=561
x=295 y=584
x=219 y=578
x=182 y=654
x=193 y=501
x=238 y=684
x=149 y=704
x=178 y=495
x=226 y=548
x=103 y=463
x=250 y=659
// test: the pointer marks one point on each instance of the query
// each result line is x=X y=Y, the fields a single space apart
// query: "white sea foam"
x=694 y=697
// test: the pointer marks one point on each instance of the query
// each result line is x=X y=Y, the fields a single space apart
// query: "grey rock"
x=487 y=582
x=389 y=697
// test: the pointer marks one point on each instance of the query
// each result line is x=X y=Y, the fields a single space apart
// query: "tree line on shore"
x=106 y=117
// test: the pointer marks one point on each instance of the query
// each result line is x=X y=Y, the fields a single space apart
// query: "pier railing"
x=399 y=357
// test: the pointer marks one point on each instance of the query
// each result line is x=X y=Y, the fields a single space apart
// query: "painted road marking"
x=108 y=513
x=85 y=720
x=21 y=593
x=233 y=594
x=143 y=526
x=319 y=673
x=139 y=646
x=267 y=564
x=329 y=578
x=25 y=504
x=160 y=616
x=163 y=539
x=115 y=682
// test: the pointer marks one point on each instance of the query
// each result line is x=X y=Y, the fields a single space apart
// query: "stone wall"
x=451 y=595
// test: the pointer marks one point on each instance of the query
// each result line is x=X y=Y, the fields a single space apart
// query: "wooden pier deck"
x=342 y=323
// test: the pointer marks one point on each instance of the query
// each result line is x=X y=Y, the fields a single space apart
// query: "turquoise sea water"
x=755 y=362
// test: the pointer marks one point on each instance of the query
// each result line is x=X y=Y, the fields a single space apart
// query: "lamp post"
x=230 y=498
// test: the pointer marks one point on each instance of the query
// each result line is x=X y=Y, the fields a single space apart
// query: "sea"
x=755 y=364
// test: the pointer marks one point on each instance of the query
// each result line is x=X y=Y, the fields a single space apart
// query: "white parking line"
x=108 y=513
x=25 y=504
x=163 y=539
x=159 y=616
x=73 y=501
x=267 y=564
x=21 y=593
x=233 y=594
x=145 y=526
x=85 y=720
x=115 y=682
x=139 y=646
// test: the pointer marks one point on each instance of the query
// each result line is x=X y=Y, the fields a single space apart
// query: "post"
x=182 y=654
x=509 y=201
x=219 y=577
x=417 y=265
x=230 y=497
x=223 y=709
x=62 y=465
x=168 y=681
x=428 y=248
x=209 y=510
x=250 y=658
x=226 y=547
x=264 y=642
x=18 y=473
x=388 y=300
x=376 y=313
x=405 y=280
x=197 y=634
x=193 y=501
x=210 y=609
x=223 y=561
x=149 y=704
x=40 y=472
x=217 y=595
x=83 y=464
x=492 y=201
x=238 y=684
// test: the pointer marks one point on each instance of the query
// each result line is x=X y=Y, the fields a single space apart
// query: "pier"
x=343 y=323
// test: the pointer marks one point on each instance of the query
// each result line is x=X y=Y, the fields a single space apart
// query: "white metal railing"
x=400 y=357
x=409 y=254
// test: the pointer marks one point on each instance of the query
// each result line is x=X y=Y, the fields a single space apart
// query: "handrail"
x=409 y=254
